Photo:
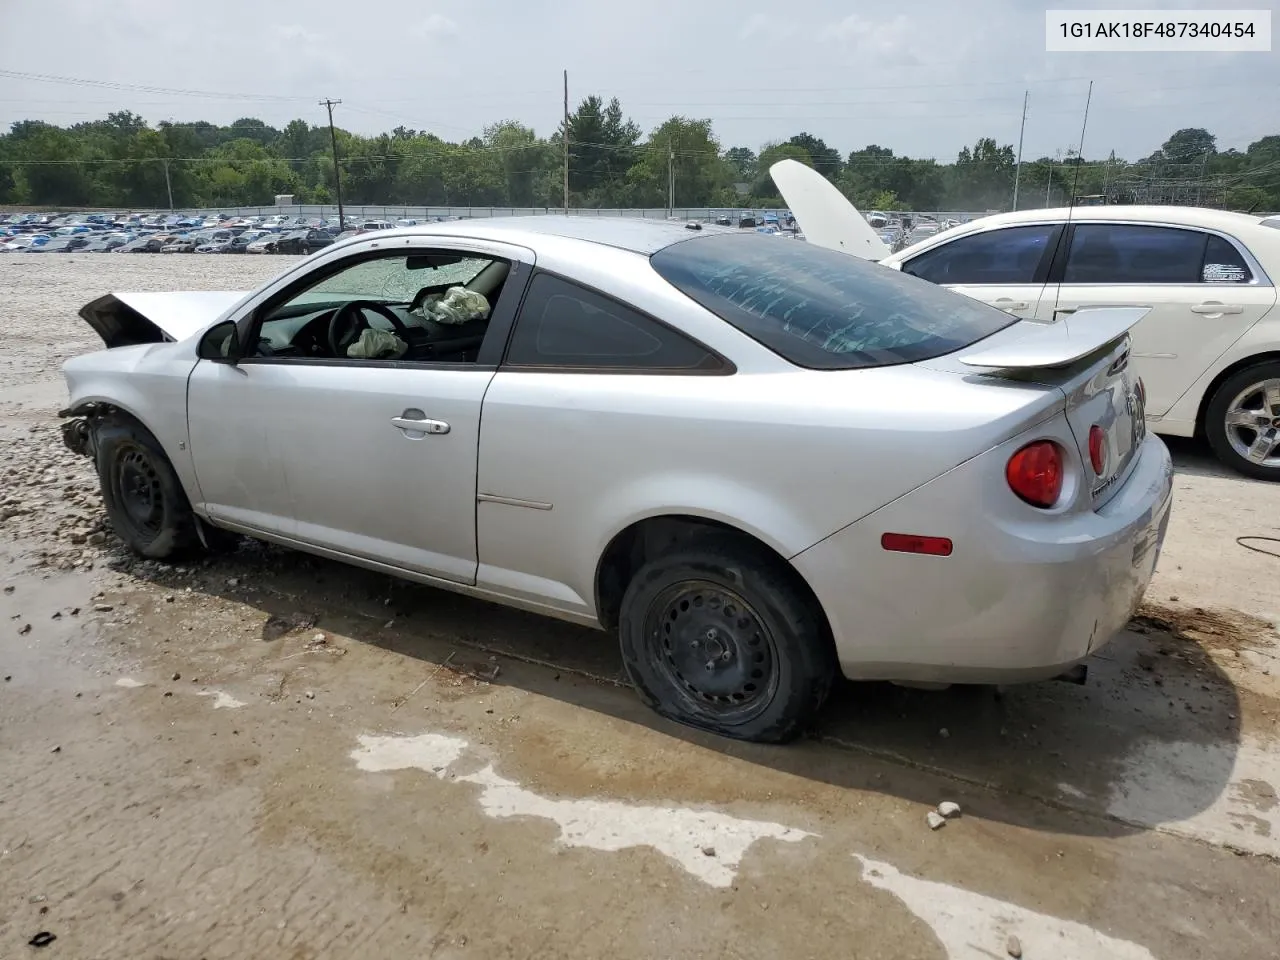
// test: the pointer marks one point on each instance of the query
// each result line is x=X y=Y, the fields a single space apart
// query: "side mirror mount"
x=220 y=343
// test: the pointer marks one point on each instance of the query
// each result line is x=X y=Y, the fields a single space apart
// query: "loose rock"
x=1013 y=947
x=936 y=820
x=949 y=809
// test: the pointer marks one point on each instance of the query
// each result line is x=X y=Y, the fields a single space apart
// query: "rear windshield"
x=821 y=309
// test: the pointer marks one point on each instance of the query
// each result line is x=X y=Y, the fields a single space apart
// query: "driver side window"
x=419 y=306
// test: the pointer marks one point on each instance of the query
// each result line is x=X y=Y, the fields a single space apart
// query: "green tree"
x=743 y=162
x=602 y=148
x=522 y=158
x=764 y=192
x=824 y=159
x=689 y=150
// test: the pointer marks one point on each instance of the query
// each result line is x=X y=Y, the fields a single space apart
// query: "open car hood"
x=825 y=215
x=126 y=319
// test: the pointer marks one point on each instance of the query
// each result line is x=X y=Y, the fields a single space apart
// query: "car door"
x=1203 y=288
x=1006 y=267
x=552 y=422
x=371 y=457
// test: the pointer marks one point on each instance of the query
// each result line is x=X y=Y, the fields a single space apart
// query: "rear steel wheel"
x=722 y=634
x=714 y=650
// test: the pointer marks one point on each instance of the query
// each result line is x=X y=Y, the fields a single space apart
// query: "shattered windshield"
x=388 y=279
x=822 y=309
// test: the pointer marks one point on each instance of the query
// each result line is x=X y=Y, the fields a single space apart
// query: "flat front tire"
x=1242 y=421
x=720 y=636
x=144 y=499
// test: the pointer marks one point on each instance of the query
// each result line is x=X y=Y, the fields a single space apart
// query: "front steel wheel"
x=722 y=635
x=1242 y=421
x=143 y=497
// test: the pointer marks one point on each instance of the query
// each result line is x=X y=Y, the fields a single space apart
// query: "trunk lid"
x=1087 y=358
x=825 y=215
x=127 y=319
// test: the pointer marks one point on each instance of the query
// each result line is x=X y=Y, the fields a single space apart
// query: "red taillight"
x=1098 y=449
x=1035 y=473
x=913 y=543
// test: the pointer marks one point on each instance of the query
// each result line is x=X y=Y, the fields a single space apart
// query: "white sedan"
x=763 y=464
x=1208 y=350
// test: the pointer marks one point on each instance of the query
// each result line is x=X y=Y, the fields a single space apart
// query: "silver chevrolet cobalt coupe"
x=761 y=462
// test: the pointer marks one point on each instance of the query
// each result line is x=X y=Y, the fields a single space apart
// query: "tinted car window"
x=564 y=325
x=1223 y=263
x=821 y=309
x=1132 y=253
x=1009 y=255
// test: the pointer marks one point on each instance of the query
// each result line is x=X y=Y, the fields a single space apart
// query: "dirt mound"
x=1224 y=629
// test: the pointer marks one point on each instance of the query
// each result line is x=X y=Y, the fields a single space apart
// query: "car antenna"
x=1075 y=177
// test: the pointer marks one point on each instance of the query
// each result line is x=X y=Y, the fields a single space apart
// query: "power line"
x=142 y=88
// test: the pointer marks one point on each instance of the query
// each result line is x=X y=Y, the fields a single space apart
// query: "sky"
x=923 y=78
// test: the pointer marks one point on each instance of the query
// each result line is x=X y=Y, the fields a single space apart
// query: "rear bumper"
x=1025 y=594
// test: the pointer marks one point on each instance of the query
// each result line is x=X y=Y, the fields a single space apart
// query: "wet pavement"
x=268 y=754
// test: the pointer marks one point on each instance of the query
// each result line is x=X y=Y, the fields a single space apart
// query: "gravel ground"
x=266 y=754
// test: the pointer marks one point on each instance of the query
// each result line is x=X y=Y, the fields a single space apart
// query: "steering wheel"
x=348 y=322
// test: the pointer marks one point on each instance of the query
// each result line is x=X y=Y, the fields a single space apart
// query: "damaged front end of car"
x=78 y=433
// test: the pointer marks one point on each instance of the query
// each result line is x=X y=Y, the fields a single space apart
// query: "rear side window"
x=1133 y=253
x=821 y=309
x=1223 y=263
x=1005 y=256
x=564 y=325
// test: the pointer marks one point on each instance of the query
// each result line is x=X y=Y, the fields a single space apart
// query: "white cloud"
x=435 y=25
x=763 y=26
x=875 y=38
x=295 y=33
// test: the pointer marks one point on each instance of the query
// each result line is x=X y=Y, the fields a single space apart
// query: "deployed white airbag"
x=458 y=305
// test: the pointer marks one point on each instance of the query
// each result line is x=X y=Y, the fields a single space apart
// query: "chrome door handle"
x=1216 y=309
x=1004 y=303
x=413 y=425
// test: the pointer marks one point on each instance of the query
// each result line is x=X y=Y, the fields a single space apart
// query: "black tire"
x=769 y=659
x=144 y=499
x=1230 y=442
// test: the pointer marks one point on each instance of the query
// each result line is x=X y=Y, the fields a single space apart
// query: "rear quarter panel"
x=787 y=457
x=1262 y=340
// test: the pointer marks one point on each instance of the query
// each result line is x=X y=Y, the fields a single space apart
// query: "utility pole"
x=566 y=143
x=337 y=173
x=671 y=177
x=167 y=185
x=1200 y=181
x=1017 y=170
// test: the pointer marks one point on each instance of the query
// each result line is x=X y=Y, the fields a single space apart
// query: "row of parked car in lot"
x=218 y=233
